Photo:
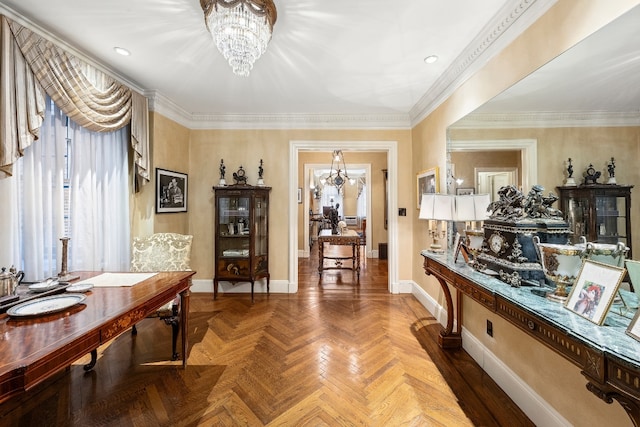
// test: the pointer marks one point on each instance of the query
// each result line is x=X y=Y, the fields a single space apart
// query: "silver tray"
x=45 y=305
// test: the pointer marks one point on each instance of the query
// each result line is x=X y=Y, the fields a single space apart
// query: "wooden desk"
x=610 y=361
x=33 y=349
x=349 y=237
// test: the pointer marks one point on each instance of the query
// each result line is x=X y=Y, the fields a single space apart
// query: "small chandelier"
x=337 y=177
x=241 y=29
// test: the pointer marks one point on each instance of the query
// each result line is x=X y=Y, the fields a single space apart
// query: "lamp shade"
x=426 y=206
x=437 y=206
x=481 y=202
x=465 y=208
x=443 y=207
x=471 y=207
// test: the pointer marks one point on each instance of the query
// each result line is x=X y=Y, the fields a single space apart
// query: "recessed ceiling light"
x=430 y=59
x=122 y=51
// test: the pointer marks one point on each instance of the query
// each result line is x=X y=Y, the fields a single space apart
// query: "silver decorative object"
x=64 y=275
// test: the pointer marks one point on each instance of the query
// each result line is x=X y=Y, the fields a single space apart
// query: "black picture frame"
x=171 y=191
x=465 y=191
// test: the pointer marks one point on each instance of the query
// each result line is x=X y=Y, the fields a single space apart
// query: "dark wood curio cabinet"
x=599 y=212
x=241 y=252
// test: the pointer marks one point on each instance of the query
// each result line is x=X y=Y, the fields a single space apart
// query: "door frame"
x=391 y=148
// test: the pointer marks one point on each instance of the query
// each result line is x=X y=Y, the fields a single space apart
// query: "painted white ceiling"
x=335 y=60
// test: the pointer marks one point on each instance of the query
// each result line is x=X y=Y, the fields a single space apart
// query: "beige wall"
x=378 y=162
x=566 y=23
x=169 y=148
x=465 y=163
x=246 y=148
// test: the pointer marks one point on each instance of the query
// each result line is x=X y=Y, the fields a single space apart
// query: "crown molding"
x=512 y=19
x=302 y=121
x=548 y=119
x=165 y=106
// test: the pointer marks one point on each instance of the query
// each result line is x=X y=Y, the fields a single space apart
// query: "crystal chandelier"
x=336 y=176
x=241 y=29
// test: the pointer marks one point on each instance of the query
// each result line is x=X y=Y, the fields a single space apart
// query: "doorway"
x=296 y=180
x=490 y=180
x=358 y=172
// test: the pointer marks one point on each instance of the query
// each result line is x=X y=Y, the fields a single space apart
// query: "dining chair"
x=163 y=252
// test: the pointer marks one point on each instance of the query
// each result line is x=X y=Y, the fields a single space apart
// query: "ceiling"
x=330 y=63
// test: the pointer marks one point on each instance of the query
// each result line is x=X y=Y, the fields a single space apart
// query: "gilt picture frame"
x=594 y=290
x=634 y=327
x=171 y=191
x=427 y=181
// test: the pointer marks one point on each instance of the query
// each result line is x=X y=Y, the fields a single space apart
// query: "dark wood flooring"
x=337 y=352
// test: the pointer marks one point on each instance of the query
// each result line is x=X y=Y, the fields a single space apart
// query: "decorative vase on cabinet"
x=599 y=212
x=241 y=251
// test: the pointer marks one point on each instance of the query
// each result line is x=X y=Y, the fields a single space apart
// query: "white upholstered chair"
x=163 y=252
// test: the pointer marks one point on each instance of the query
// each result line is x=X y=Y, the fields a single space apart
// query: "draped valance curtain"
x=30 y=66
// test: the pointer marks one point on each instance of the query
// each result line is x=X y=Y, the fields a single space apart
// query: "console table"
x=610 y=361
x=350 y=238
x=34 y=349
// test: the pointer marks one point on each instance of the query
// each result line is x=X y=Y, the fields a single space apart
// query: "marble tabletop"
x=609 y=337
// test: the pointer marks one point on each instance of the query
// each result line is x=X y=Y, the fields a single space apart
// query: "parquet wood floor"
x=335 y=353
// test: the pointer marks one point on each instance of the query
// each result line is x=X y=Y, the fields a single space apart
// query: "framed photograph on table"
x=634 y=327
x=171 y=191
x=594 y=290
x=427 y=182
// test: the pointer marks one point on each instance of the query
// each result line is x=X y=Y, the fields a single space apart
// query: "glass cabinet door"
x=260 y=219
x=610 y=219
x=233 y=227
x=577 y=216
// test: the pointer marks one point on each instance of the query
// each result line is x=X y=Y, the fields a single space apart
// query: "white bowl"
x=561 y=263
x=606 y=253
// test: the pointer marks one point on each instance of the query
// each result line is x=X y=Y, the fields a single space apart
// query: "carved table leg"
x=357 y=246
x=449 y=338
x=320 y=256
x=94 y=358
x=607 y=394
x=184 y=324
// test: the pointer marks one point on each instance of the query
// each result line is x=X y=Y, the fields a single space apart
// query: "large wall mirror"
x=584 y=104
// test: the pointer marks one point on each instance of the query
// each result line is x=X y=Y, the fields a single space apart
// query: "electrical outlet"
x=489 y=328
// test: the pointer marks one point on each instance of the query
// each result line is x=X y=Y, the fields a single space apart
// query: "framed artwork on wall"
x=465 y=191
x=427 y=182
x=594 y=290
x=171 y=191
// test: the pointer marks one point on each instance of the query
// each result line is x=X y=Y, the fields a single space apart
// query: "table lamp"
x=435 y=208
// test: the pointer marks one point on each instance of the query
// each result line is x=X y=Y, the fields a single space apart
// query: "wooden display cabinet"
x=599 y=212
x=241 y=251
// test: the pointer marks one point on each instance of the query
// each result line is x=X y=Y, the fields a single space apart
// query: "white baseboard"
x=535 y=407
x=260 y=286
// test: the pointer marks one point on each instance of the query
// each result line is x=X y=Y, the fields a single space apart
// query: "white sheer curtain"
x=98 y=194
x=99 y=202
x=332 y=197
x=361 y=207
